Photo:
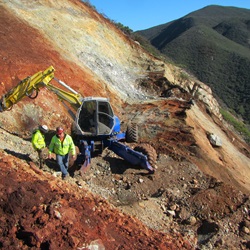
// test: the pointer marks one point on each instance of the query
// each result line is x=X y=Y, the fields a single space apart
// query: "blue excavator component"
x=133 y=157
x=95 y=126
x=95 y=122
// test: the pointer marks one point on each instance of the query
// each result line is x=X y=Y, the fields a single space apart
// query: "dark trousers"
x=41 y=158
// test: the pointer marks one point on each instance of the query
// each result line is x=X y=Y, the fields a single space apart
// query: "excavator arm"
x=31 y=85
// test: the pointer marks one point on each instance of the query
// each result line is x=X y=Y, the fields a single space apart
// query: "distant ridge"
x=213 y=43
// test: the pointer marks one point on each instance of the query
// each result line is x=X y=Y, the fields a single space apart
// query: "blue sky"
x=144 y=14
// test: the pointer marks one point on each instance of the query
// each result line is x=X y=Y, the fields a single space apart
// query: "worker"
x=38 y=142
x=62 y=145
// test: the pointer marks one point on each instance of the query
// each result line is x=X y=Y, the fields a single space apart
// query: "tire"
x=132 y=133
x=149 y=151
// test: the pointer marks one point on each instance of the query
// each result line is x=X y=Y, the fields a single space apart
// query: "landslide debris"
x=40 y=211
x=119 y=206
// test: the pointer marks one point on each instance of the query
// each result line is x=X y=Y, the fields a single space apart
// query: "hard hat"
x=44 y=128
x=59 y=130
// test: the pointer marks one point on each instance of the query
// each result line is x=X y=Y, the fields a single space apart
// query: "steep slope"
x=160 y=211
x=213 y=44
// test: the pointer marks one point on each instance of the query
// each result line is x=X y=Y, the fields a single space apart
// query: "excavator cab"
x=95 y=117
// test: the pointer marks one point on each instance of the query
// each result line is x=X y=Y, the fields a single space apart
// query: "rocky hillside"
x=213 y=44
x=196 y=199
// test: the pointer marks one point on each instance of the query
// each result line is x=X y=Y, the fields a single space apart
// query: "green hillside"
x=214 y=44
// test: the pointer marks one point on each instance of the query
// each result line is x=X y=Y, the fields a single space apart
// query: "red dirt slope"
x=42 y=212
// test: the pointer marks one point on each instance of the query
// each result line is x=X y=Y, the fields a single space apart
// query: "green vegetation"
x=212 y=44
x=141 y=40
x=87 y=2
x=124 y=29
x=147 y=45
x=183 y=76
x=240 y=127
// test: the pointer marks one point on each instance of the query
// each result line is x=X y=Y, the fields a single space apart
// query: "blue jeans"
x=63 y=162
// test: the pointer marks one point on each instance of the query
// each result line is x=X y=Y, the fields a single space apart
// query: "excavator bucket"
x=85 y=167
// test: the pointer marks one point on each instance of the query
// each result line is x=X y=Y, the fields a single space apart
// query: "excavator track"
x=149 y=151
x=132 y=133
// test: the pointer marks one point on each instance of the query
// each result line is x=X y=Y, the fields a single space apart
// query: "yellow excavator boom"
x=31 y=85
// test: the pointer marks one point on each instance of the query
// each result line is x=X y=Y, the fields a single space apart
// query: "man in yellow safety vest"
x=62 y=145
x=38 y=142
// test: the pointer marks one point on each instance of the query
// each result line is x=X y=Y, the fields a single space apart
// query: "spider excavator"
x=95 y=126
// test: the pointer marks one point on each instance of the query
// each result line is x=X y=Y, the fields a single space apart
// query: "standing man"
x=62 y=144
x=38 y=142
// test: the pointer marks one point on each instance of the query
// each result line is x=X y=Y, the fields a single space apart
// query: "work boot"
x=66 y=177
x=44 y=168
